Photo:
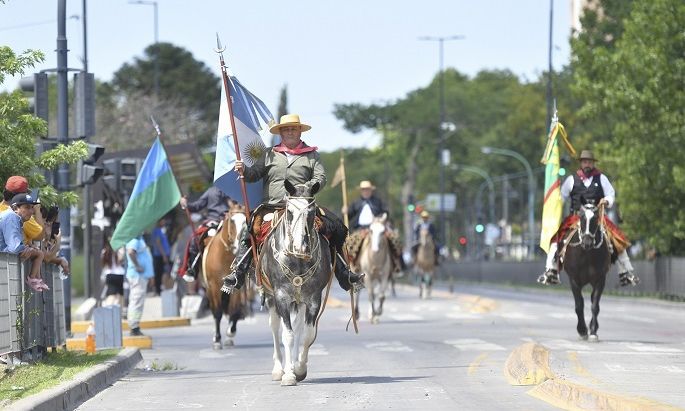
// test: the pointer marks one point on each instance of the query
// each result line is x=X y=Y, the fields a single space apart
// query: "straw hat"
x=425 y=214
x=289 y=120
x=587 y=155
x=366 y=184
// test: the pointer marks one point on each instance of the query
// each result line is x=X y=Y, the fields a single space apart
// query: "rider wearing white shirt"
x=589 y=184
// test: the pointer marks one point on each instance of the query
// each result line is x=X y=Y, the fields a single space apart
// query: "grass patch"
x=77 y=266
x=58 y=367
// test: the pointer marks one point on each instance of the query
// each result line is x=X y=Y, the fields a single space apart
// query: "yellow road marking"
x=475 y=364
x=79 y=344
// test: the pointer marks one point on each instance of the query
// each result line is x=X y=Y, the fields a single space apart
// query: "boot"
x=191 y=273
x=625 y=269
x=551 y=274
x=346 y=278
x=240 y=266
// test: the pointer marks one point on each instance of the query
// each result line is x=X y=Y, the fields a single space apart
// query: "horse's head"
x=299 y=218
x=589 y=224
x=238 y=223
x=376 y=230
x=425 y=236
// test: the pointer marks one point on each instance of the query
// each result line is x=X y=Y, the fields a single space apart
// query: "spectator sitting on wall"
x=53 y=239
x=11 y=234
x=33 y=227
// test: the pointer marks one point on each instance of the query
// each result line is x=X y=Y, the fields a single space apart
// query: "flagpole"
x=344 y=188
x=243 y=188
x=171 y=165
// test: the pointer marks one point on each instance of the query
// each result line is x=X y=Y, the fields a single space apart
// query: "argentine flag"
x=247 y=111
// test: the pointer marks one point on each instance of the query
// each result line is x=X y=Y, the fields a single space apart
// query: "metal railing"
x=30 y=322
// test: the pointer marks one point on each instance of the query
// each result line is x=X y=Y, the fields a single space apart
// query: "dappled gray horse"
x=296 y=264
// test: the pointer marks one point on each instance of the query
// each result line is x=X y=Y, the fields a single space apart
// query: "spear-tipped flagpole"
x=243 y=188
x=161 y=141
x=344 y=188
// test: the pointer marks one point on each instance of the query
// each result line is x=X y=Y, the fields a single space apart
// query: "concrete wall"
x=664 y=276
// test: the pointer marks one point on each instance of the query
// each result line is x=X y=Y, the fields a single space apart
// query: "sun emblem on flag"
x=254 y=150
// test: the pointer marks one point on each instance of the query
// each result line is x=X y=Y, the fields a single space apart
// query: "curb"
x=82 y=326
x=85 y=385
x=528 y=364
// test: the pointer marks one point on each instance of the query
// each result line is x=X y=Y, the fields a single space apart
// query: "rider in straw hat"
x=299 y=163
x=589 y=183
x=361 y=214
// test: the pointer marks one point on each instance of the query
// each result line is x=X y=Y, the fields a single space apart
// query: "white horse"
x=376 y=261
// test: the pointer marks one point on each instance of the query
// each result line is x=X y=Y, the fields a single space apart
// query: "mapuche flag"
x=553 y=205
x=154 y=194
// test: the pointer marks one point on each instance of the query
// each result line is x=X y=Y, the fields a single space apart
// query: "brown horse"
x=425 y=263
x=218 y=254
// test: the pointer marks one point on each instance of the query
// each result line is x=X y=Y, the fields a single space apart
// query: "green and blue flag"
x=154 y=194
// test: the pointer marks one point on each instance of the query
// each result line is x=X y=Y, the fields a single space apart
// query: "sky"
x=326 y=52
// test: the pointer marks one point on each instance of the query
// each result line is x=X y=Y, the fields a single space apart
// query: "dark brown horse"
x=217 y=257
x=586 y=261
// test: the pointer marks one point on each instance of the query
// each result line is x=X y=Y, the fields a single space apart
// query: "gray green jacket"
x=273 y=168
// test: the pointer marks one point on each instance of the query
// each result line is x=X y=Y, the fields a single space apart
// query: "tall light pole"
x=488 y=180
x=154 y=4
x=549 y=69
x=444 y=154
x=531 y=191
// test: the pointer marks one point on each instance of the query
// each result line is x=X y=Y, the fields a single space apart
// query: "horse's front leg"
x=308 y=335
x=596 y=296
x=580 y=310
x=275 y=323
x=218 y=313
x=290 y=344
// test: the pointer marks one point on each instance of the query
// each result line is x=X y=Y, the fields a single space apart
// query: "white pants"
x=136 y=301
x=622 y=263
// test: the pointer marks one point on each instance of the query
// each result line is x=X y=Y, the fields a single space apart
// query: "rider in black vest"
x=587 y=184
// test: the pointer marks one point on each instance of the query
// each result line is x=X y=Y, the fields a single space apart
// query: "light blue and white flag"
x=247 y=111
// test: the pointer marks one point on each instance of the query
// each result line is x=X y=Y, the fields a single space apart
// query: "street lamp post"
x=488 y=180
x=531 y=191
x=154 y=4
x=444 y=156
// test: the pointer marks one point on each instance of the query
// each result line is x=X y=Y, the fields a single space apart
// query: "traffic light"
x=411 y=207
x=463 y=241
x=112 y=178
x=130 y=167
x=38 y=86
x=87 y=172
x=84 y=104
x=562 y=171
x=480 y=228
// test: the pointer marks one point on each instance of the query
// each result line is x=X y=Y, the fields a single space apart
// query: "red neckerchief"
x=300 y=149
x=583 y=177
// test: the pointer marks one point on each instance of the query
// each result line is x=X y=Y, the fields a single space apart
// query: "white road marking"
x=563 y=316
x=559 y=344
x=518 y=316
x=641 y=347
x=474 y=344
x=406 y=317
x=318 y=349
x=389 y=346
x=671 y=368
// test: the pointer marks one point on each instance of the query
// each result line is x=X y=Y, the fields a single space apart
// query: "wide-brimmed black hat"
x=21 y=199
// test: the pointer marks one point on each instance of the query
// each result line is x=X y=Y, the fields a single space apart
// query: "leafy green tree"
x=187 y=105
x=636 y=88
x=19 y=131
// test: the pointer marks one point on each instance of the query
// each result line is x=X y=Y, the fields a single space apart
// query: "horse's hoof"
x=229 y=334
x=288 y=380
x=277 y=375
x=593 y=338
x=375 y=320
x=301 y=377
x=582 y=337
x=217 y=345
x=229 y=342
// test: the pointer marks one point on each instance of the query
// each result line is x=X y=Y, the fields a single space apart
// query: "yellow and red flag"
x=552 y=204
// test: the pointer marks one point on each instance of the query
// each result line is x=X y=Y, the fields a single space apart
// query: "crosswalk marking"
x=318 y=349
x=474 y=344
x=463 y=316
x=518 y=316
x=642 y=347
x=390 y=346
x=406 y=317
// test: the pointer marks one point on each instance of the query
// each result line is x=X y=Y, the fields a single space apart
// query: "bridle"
x=588 y=211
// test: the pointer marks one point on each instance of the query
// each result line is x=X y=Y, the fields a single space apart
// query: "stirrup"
x=628 y=278
x=228 y=287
